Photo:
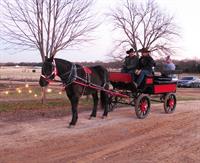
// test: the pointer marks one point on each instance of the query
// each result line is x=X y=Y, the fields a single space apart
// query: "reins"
x=71 y=77
x=74 y=78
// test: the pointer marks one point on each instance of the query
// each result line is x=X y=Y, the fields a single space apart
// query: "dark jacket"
x=146 y=63
x=131 y=63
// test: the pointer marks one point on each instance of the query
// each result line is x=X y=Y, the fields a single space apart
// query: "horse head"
x=48 y=71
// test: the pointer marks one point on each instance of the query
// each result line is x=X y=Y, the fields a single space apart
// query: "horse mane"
x=62 y=61
x=65 y=62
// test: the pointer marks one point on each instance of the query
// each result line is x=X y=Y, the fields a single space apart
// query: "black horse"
x=77 y=82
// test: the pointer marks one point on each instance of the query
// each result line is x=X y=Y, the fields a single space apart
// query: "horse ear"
x=45 y=58
x=51 y=58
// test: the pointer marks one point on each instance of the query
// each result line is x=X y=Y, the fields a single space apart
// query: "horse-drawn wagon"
x=79 y=81
x=153 y=86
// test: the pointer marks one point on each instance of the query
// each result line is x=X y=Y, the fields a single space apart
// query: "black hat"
x=129 y=51
x=144 y=50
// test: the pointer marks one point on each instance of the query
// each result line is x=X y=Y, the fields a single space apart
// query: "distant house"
x=17 y=66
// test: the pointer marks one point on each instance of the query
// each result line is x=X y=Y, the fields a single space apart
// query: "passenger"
x=168 y=66
x=145 y=66
x=130 y=63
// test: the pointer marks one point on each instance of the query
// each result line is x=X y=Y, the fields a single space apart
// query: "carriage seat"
x=120 y=77
x=117 y=77
x=163 y=80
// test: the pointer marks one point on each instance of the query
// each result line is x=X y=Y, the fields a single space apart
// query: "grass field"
x=24 y=95
x=20 y=73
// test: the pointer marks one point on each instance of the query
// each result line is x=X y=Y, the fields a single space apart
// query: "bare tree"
x=143 y=25
x=47 y=25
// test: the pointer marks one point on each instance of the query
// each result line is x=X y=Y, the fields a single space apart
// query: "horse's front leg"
x=74 y=103
x=95 y=103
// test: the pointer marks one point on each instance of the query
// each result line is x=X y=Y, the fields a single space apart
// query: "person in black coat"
x=130 y=63
x=145 y=66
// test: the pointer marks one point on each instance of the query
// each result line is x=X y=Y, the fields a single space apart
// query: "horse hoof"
x=91 y=117
x=71 y=126
x=104 y=117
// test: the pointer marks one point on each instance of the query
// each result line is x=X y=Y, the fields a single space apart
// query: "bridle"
x=67 y=78
x=54 y=72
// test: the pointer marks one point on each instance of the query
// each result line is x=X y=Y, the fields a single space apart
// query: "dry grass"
x=20 y=73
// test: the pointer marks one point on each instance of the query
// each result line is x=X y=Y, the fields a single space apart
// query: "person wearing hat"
x=130 y=63
x=145 y=66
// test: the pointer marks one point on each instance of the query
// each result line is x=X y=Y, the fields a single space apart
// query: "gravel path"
x=119 y=138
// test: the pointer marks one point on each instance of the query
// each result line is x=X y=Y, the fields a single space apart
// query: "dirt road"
x=119 y=138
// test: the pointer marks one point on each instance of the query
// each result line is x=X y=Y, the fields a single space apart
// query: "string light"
x=19 y=90
x=49 y=90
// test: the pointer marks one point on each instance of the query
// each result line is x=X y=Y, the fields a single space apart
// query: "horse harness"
x=71 y=76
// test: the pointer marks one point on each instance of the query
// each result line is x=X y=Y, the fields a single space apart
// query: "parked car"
x=174 y=77
x=189 y=81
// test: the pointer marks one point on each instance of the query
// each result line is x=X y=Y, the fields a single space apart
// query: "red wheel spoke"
x=142 y=106
x=170 y=103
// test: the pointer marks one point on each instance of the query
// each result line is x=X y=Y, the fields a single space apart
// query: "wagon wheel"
x=112 y=103
x=170 y=103
x=142 y=106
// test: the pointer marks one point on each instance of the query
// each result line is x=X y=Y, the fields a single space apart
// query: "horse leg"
x=104 y=103
x=74 y=103
x=95 y=103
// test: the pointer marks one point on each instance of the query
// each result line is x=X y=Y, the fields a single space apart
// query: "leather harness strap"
x=88 y=73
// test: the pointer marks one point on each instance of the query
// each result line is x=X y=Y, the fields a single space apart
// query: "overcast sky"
x=186 y=15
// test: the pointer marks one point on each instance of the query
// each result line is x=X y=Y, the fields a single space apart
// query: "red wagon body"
x=153 y=87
